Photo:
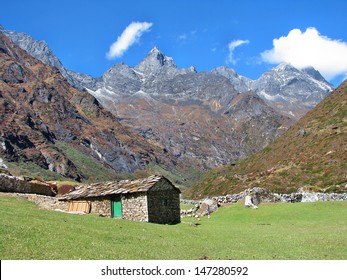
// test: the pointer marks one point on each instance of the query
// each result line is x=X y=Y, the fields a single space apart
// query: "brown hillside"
x=311 y=154
x=47 y=123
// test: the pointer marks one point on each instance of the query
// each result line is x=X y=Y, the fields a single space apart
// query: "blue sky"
x=204 y=33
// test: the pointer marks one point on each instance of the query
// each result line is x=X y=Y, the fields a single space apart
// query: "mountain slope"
x=195 y=116
x=204 y=119
x=312 y=153
x=41 y=51
x=44 y=119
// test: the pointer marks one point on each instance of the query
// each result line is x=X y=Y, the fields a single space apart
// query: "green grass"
x=274 y=231
x=186 y=206
x=90 y=168
x=31 y=169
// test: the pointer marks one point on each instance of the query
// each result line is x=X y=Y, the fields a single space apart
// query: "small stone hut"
x=154 y=199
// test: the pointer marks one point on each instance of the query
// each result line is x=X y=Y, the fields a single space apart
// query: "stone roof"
x=114 y=187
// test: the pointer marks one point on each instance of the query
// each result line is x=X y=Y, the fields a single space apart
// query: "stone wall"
x=135 y=207
x=15 y=184
x=312 y=197
x=164 y=206
x=99 y=205
x=264 y=195
x=42 y=201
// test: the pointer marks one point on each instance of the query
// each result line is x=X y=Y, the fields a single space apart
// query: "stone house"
x=154 y=199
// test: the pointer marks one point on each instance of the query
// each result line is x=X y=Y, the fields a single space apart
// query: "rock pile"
x=202 y=208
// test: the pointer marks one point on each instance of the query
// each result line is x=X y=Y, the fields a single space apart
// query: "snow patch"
x=96 y=151
x=138 y=72
x=271 y=97
x=291 y=113
x=102 y=93
x=141 y=92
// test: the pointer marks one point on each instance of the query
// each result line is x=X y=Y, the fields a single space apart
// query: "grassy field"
x=274 y=231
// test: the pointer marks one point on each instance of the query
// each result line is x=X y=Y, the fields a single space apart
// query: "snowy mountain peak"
x=313 y=73
x=285 y=67
x=154 y=61
x=155 y=50
x=284 y=84
x=292 y=88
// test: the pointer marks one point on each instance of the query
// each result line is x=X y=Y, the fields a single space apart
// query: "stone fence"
x=264 y=195
x=15 y=184
x=42 y=201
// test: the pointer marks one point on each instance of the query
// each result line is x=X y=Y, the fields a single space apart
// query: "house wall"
x=135 y=207
x=164 y=204
x=99 y=205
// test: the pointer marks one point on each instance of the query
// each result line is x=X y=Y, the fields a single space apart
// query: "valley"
x=153 y=118
x=284 y=231
x=182 y=139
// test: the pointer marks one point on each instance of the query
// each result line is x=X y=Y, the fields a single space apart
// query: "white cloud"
x=309 y=48
x=185 y=37
x=232 y=46
x=130 y=35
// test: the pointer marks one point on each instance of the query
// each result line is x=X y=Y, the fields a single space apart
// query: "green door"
x=116 y=209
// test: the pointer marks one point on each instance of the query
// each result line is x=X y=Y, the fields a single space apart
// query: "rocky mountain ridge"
x=289 y=90
x=47 y=123
x=199 y=117
x=204 y=119
x=41 y=51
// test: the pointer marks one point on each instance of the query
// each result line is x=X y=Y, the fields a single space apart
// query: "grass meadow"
x=300 y=231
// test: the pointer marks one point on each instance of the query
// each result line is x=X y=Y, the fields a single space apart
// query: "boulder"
x=206 y=207
x=249 y=202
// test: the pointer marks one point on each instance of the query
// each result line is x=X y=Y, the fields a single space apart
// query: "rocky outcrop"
x=206 y=207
